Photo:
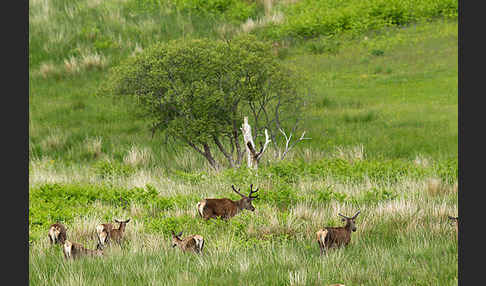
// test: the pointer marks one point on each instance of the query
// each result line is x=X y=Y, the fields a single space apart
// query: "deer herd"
x=224 y=208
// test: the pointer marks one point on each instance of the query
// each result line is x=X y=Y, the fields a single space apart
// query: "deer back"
x=190 y=243
x=219 y=208
x=74 y=250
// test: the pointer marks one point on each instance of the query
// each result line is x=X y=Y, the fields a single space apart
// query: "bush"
x=281 y=196
x=308 y=19
x=111 y=169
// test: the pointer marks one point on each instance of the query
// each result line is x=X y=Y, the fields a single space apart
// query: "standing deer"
x=106 y=232
x=329 y=236
x=226 y=208
x=57 y=233
x=190 y=243
x=73 y=250
x=456 y=221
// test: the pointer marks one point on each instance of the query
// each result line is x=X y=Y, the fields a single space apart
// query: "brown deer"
x=106 y=233
x=73 y=250
x=226 y=208
x=330 y=237
x=456 y=221
x=190 y=243
x=57 y=233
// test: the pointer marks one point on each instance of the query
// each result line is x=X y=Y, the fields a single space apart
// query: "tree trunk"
x=249 y=145
x=225 y=153
x=206 y=153
x=209 y=157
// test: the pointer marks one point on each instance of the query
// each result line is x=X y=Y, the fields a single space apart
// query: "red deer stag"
x=73 y=250
x=57 y=233
x=226 y=208
x=190 y=243
x=106 y=233
x=329 y=236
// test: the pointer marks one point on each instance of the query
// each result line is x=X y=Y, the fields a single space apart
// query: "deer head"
x=245 y=201
x=350 y=221
x=176 y=238
x=122 y=223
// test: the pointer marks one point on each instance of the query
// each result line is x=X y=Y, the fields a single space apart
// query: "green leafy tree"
x=197 y=91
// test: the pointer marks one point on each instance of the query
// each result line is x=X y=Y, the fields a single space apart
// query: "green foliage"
x=328 y=45
x=377 y=52
x=111 y=169
x=281 y=196
x=447 y=170
x=375 y=195
x=308 y=18
x=326 y=195
x=197 y=91
x=236 y=10
x=54 y=202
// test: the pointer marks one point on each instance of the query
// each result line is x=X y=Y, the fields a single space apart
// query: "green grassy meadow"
x=381 y=112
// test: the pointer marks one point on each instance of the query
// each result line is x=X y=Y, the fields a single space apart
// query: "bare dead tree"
x=289 y=146
x=252 y=155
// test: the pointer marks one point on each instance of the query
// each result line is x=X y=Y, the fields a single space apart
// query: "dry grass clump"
x=48 y=69
x=87 y=61
x=298 y=277
x=93 y=61
x=422 y=161
x=250 y=24
x=436 y=187
x=93 y=146
x=136 y=156
x=350 y=154
x=72 y=65
x=54 y=141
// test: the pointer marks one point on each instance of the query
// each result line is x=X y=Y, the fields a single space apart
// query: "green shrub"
x=307 y=18
x=324 y=45
x=110 y=169
x=281 y=196
x=377 y=52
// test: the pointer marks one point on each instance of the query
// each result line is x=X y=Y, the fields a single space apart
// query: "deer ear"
x=127 y=220
x=173 y=233
x=180 y=233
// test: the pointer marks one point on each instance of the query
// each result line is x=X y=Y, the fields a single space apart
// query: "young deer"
x=226 y=208
x=456 y=221
x=73 y=250
x=106 y=233
x=190 y=243
x=57 y=233
x=329 y=237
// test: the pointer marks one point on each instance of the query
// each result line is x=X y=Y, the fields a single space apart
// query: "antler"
x=252 y=192
x=353 y=217
x=343 y=216
x=237 y=191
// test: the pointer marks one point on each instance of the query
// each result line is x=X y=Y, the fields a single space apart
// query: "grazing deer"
x=106 y=233
x=73 y=250
x=456 y=221
x=226 y=208
x=190 y=243
x=336 y=236
x=57 y=233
